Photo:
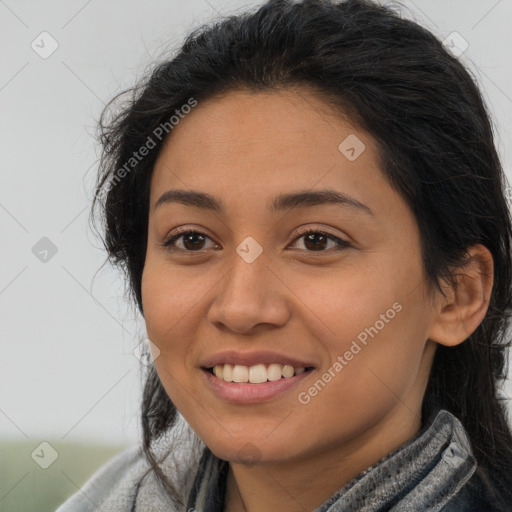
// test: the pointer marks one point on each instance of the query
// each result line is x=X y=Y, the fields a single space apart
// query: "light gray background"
x=67 y=369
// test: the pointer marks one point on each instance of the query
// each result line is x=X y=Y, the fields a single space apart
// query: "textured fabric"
x=124 y=484
x=425 y=474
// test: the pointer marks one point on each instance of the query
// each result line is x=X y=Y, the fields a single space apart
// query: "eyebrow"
x=302 y=198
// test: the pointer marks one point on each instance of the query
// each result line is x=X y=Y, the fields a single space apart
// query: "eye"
x=316 y=240
x=193 y=241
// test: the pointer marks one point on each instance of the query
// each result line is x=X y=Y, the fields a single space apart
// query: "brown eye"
x=314 y=241
x=317 y=241
x=192 y=241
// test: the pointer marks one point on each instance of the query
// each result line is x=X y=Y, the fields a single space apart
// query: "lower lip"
x=245 y=392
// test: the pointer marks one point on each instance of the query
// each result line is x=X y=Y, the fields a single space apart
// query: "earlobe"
x=467 y=299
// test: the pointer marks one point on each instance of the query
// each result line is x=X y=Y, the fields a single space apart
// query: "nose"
x=250 y=294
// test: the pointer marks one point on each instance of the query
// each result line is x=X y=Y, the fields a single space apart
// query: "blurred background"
x=69 y=377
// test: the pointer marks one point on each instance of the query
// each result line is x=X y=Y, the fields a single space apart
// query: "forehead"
x=255 y=145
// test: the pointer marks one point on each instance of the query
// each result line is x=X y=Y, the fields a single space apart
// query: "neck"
x=262 y=487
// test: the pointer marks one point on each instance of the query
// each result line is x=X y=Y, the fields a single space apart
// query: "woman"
x=310 y=211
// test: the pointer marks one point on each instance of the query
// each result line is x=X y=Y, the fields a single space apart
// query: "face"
x=337 y=287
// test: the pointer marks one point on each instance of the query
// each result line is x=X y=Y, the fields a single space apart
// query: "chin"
x=250 y=451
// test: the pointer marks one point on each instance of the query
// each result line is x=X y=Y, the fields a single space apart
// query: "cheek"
x=372 y=323
x=169 y=298
x=172 y=309
x=156 y=303
x=342 y=303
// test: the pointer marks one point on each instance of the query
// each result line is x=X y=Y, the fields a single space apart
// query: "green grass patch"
x=26 y=487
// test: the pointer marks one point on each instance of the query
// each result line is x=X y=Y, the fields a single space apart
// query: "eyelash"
x=342 y=244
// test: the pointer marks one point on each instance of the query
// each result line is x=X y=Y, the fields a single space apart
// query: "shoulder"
x=115 y=476
x=127 y=479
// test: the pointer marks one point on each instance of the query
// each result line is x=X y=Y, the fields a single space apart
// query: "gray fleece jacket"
x=435 y=471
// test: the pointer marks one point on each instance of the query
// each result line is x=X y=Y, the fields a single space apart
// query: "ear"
x=467 y=299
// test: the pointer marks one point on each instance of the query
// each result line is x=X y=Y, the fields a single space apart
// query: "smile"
x=244 y=391
x=255 y=374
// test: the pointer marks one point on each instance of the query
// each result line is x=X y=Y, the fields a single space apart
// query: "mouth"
x=255 y=374
x=253 y=384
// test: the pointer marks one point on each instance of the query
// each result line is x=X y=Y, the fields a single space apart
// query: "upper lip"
x=253 y=358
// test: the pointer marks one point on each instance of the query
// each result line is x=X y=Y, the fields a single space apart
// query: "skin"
x=245 y=149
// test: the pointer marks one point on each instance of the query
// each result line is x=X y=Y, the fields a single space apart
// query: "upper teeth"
x=255 y=374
